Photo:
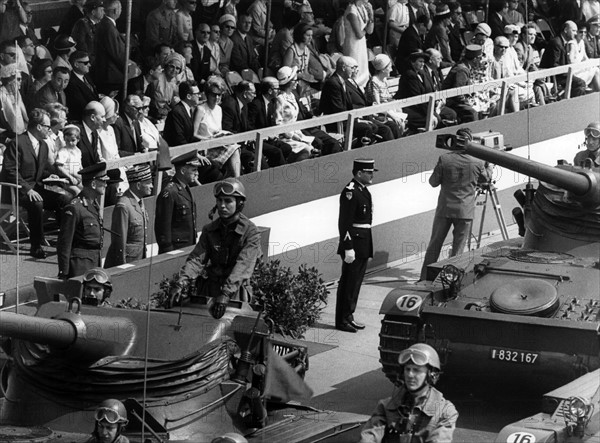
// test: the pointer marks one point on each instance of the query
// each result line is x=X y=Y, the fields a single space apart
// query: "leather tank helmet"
x=422 y=354
x=111 y=411
x=230 y=187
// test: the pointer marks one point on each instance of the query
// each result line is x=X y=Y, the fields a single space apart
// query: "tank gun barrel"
x=583 y=184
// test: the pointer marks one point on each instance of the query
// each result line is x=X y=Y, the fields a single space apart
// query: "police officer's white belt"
x=361 y=225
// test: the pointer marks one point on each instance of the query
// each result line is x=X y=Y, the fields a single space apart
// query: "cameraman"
x=458 y=174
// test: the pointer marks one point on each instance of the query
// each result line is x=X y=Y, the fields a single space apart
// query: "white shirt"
x=35 y=143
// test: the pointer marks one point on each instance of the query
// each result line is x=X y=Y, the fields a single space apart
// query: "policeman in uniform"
x=175 y=224
x=81 y=232
x=130 y=219
x=592 y=145
x=97 y=287
x=356 y=242
x=110 y=421
x=416 y=412
x=226 y=254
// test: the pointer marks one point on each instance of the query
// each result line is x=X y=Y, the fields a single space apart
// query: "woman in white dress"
x=576 y=53
x=358 y=22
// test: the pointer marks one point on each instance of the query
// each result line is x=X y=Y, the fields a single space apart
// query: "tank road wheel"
x=397 y=333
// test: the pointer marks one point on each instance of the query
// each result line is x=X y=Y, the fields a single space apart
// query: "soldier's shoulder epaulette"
x=350 y=186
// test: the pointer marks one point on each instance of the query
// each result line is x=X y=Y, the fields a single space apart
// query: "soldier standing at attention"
x=80 y=237
x=130 y=219
x=175 y=224
x=356 y=242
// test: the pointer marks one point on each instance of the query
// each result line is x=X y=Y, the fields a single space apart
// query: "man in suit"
x=127 y=129
x=455 y=36
x=412 y=83
x=416 y=8
x=30 y=152
x=94 y=117
x=433 y=78
x=335 y=97
x=54 y=90
x=411 y=41
x=496 y=18
x=151 y=68
x=80 y=90
x=458 y=174
x=200 y=64
x=556 y=55
x=243 y=52
x=568 y=10
x=110 y=60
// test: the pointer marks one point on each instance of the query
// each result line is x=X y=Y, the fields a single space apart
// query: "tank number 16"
x=521 y=437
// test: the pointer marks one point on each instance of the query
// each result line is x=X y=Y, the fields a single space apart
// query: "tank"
x=523 y=310
x=182 y=375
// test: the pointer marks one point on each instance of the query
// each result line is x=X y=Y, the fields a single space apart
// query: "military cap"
x=93 y=4
x=594 y=20
x=473 y=51
x=364 y=164
x=114 y=175
x=417 y=55
x=138 y=173
x=189 y=158
x=96 y=172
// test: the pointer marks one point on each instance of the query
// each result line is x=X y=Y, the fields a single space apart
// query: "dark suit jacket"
x=409 y=42
x=110 y=54
x=243 y=54
x=410 y=86
x=334 y=96
x=136 y=85
x=126 y=138
x=568 y=10
x=234 y=118
x=555 y=54
x=432 y=80
x=179 y=126
x=32 y=169
x=78 y=96
x=200 y=67
x=47 y=94
x=497 y=24
x=89 y=153
x=257 y=114
x=72 y=15
x=356 y=95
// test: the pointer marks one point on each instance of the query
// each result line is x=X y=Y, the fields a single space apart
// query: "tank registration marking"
x=409 y=302
x=513 y=356
x=520 y=437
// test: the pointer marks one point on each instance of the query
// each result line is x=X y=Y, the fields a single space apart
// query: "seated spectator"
x=13 y=115
x=41 y=71
x=64 y=46
x=283 y=40
x=433 y=78
x=412 y=83
x=258 y=12
x=496 y=19
x=576 y=53
x=184 y=49
x=411 y=42
x=128 y=129
x=460 y=75
x=208 y=124
x=151 y=70
x=161 y=25
x=84 y=30
x=151 y=138
x=482 y=38
x=109 y=150
x=164 y=93
x=244 y=54
x=68 y=159
x=28 y=49
x=94 y=116
x=201 y=54
x=377 y=91
x=455 y=31
x=398 y=19
x=58 y=120
x=438 y=36
x=227 y=24
x=215 y=50
x=183 y=20
x=298 y=55
x=81 y=89
x=26 y=23
x=54 y=90
x=162 y=52
x=512 y=15
x=498 y=69
x=592 y=40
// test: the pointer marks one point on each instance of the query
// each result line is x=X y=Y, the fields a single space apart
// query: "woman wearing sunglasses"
x=592 y=144
x=111 y=419
x=225 y=254
x=416 y=412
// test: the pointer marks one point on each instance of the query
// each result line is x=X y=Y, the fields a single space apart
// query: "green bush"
x=292 y=301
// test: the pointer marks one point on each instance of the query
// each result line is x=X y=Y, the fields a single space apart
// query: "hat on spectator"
x=364 y=164
x=146 y=100
x=442 y=11
x=286 y=74
x=111 y=107
x=227 y=18
x=71 y=127
x=189 y=158
x=473 y=51
x=483 y=28
x=138 y=173
x=8 y=71
x=90 y=5
x=417 y=55
x=114 y=175
x=501 y=41
x=174 y=58
x=381 y=61
x=512 y=29
x=594 y=20
x=95 y=172
x=64 y=42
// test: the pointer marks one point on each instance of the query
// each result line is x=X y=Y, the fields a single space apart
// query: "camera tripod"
x=490 y=193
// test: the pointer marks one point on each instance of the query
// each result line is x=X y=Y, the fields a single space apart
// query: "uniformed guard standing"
x=356 y=242
x=175 y=223
x=80 y=236
x=130 y=220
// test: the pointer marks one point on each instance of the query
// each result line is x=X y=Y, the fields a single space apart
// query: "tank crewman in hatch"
x=416 y=412
x=175 y=223
x=226 y=253
x=111 y=419
x=97 y=287
x=592 y=144
x=356 y=242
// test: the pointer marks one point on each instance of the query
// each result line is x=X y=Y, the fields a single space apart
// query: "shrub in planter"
x=158 y=300
x=292 y=301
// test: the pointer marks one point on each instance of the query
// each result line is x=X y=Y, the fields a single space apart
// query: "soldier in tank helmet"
x=416 y=412
x=111 y=419
x=97 y=287
x=225 y=256
x=592 y=144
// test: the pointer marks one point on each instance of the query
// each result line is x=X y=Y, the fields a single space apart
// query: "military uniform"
x=175 y=225
x=354 y=225
x=80 y=236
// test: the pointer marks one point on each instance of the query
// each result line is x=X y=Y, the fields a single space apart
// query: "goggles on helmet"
x=97 y=276
x=224 y=188
x=420 y=358
x=108 y=414
x=592 y=132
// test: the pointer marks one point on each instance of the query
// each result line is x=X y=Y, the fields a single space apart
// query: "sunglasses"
x=591 y=132
x=85 y=62
x=110 y=415
x=229 y=27
x=177 y=68
x=502 y=47
x=418 y=357
x=12 y=54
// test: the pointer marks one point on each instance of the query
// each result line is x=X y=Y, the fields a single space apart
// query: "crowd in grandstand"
x=202 y=69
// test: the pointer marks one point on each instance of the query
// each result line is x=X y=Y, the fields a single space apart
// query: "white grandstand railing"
x=260 y=135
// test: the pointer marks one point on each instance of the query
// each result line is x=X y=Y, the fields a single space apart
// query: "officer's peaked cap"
x=138 y=173
x=189 y=158
x=364 y=164
x=96 y=172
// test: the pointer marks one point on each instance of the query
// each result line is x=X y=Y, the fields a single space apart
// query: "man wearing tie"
x=127 y=129
x=54 y=90
x=200 y=64
x=94 y=117
x=80 y=90
x=243 y=52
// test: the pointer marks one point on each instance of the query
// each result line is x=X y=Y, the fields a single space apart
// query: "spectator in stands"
x=568 y=10
x=227 y=24
x=208 y=124
x=10 y=18
x=161 y=25
x=151 y=70
x=13 y=115
x=512 y=15
x=556 y=55
x=528 y=56
x=358 y=23
x=377 y=91
x=41 y=70
x=499 y=69
x=84 y=30
x=258 y=12
x=183 y=19
x=109 y=149
x=64 y=46
x=496 y=20
x=201 y=54
x=437 y=37
x=68 y=159
x=54 y=90
x=592 y=40
x=298 y=55
x=128 y=129
x=110 y=50
x=455 y=31
x=576 y=53
x=26 y=24
x=215 y=51
x=150 y=136
x=398 y=19
x=164 y=93
x=30 y=152
x=243 y=53
x=417 y=8
x=208 y=11
x=80 y=90
x=179 y=123
x=283 y=40
x=460 y=75
x=94 y=117
x=433 y=79
x=411 y=42
x=74 y=13
x=230 y=8
x=8 y=52
x=412 y=83
x=184 y=49
x=58 y=120
x=28 y=48
x=161 y=52
x=482 y=38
